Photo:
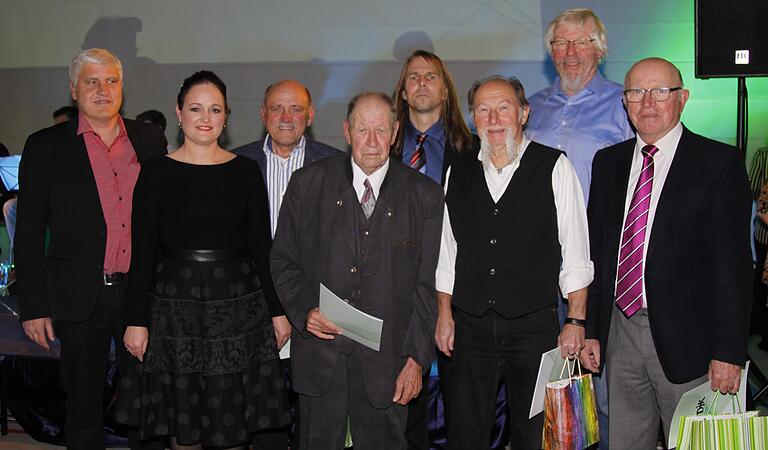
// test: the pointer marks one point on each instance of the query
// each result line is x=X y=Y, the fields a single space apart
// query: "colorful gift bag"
x=570 y=413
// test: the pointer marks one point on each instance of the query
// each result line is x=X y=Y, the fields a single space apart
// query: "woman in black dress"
x=201 y=303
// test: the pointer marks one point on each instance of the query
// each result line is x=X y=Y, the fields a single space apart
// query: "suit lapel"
x=618 y=194
x=77 y=153
x=673 y=189
x=382 y=213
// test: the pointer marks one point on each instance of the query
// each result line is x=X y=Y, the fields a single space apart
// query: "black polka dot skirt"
x=211 y=374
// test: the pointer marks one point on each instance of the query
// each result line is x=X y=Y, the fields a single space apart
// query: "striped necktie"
x=419 y=157
x=368 y=202
x=629 y=287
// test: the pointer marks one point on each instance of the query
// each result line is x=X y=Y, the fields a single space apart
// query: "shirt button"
x=492 y=271
x=353 y=269
x=493 y=241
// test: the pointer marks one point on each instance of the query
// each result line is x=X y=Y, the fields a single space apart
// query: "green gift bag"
x=720 y=432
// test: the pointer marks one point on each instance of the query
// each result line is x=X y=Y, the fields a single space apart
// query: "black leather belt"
x=198 y=255
x=110 y=279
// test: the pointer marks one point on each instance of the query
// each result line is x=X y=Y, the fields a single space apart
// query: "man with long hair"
x=431 y=135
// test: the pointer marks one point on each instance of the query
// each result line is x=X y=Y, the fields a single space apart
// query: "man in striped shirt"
x=286 y=113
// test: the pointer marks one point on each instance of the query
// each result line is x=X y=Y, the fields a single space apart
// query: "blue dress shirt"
x=434 y=147
x=580 y=125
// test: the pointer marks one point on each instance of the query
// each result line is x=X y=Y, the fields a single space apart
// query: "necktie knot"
x=649 y=151
x=421 y=138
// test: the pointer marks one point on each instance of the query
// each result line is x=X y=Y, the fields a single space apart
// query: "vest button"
x=492 y=271
x=493 y=241
x=353 y=269
x=495 y=211
x=490 y=301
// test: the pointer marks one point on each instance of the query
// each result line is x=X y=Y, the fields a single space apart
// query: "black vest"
x=508 y=255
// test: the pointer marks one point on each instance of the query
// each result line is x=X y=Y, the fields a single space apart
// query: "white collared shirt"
x=278 y=174
x=376 y=179
x=576 y=270
x=662 y=161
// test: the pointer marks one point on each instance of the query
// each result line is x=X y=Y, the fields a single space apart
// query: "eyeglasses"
x=658 y=94
x=562 y=44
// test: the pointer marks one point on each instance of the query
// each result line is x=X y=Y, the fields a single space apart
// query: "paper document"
x=549 y=370
x=698 y=400
x=285 y=352
x=355 y=324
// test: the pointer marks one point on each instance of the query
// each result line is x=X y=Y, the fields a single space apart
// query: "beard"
x=574 y=84
x=512 y=149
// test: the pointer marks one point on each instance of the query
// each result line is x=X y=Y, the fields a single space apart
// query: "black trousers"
x=323 y=420
x=84 y=352
x=488 y=349
x=417 y=430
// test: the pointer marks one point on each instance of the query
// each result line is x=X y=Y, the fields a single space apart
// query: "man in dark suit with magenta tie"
x=669 y=216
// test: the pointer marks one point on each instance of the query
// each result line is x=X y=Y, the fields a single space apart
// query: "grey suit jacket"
x=313 y=151
x=394 y=280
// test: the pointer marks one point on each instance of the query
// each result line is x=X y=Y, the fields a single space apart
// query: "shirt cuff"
x=575 y=278
x=444 y=281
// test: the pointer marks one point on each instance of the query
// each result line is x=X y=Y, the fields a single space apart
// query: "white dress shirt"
x=278 y=172
x=662 y=161
x=576 y=270
x=376 y=179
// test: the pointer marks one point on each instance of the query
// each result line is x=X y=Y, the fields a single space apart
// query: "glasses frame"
x=562 y=44
x=655 y=92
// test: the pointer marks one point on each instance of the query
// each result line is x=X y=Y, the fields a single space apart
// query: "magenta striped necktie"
x=629 y=287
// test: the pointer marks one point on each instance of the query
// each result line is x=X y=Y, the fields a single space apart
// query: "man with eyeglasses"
x=669 y=219
x=580 y=114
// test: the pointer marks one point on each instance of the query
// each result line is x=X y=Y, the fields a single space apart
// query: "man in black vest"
x=514 y=232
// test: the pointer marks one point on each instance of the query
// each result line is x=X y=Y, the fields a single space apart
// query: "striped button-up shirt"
x=279 y=171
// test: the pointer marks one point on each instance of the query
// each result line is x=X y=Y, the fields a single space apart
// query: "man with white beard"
x=514 y=232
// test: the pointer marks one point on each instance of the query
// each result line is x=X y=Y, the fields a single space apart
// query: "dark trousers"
x=83 y=367
x=488 y=349
x=323 y=420
x=759 y=311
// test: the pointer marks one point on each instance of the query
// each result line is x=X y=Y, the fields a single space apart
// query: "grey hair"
x=382 y=97
x=513 y=82
x=93 y=56
x=579 y=16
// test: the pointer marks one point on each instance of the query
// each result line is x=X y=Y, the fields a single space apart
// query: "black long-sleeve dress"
x=200 y=282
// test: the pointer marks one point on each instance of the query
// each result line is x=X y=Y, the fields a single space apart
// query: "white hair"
x=93 y=56
x=579 y=16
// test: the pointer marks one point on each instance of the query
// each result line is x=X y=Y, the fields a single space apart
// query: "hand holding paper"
x=320 y=326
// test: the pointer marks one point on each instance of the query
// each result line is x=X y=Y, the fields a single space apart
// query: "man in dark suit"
x=286 y=113
x=669 y=219
x=77 y=181
x=432 y=135
x=368 y=229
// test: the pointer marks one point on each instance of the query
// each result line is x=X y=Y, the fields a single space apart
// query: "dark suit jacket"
x=316 y=243
x=58 y=192
x=313 y=150
x=698 y=266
